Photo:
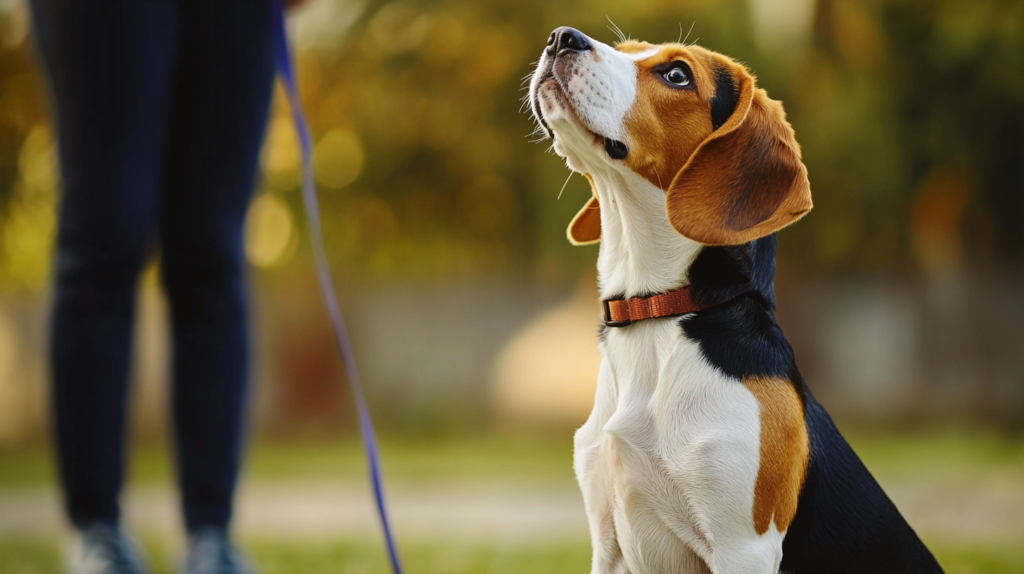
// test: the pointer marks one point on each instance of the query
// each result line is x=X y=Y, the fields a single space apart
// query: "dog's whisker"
x=683 y=41
x=538 y=130
x=613 y=32
x=615 y=28
x=563 y=185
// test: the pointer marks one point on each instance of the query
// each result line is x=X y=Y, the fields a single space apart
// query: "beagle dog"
x=705 y=450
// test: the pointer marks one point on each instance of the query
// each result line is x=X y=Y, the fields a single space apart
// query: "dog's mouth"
x=547 y=77
x=614 y=148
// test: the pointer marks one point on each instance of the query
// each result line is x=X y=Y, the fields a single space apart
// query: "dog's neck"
x=641 y=254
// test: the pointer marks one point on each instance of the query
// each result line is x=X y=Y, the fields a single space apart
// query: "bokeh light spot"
x=269 y=231
x=37 y=160
x=338 y=159
x=281 y=154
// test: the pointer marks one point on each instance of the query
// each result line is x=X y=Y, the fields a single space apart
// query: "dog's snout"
x=566 y=38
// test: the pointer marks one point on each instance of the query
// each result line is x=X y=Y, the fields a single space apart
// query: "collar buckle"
x=608 y=321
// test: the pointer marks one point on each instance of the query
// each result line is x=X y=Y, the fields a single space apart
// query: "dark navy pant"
x=160 y=111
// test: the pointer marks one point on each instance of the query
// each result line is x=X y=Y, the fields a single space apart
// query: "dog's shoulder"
x=784 y=452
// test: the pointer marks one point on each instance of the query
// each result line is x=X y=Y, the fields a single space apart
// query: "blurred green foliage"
x=910 y=114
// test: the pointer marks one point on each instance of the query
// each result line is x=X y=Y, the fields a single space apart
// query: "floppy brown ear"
x=585 y=228
x=746 y=180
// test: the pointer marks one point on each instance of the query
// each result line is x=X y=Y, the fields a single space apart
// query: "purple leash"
x=323 y=273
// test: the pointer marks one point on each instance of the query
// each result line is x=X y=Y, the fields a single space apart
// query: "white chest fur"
x=668 y=460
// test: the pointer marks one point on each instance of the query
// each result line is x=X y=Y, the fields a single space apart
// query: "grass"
x=40 y=557
x=949 y=455
x=482 y=457
x=32 y=556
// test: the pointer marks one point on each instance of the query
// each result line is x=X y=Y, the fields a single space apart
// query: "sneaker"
x=210 y=552
x=104 y=549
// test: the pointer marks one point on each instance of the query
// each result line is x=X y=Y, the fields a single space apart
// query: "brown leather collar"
x=622 y=312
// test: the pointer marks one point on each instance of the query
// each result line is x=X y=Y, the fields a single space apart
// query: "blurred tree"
x=910 y=113
x=911 y=118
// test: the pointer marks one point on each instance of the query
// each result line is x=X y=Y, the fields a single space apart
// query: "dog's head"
x=688 y=120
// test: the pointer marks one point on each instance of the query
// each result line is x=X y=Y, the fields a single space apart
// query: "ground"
x=493 y=505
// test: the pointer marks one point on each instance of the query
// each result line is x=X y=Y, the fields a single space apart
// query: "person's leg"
x=222 y=96
x=109 y=66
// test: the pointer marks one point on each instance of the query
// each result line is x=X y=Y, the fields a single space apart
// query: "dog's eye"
x=677 y=76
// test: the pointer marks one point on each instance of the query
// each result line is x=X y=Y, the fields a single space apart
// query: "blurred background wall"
x=902 y=292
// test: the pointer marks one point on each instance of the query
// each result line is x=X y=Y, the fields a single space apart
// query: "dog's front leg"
x=607 y=555
x=598 y=495
x=593 y=466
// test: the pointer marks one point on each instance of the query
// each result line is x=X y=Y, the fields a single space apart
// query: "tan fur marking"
x=667 y=124
x=784 y=452
x=585 y=228
x=633 y=46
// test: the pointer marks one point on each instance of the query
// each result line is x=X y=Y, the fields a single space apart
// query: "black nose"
x=566 y=38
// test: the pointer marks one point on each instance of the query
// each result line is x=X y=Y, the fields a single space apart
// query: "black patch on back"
x=844 y=523
x=726 y=95
x=723 y=270
x=741 y=337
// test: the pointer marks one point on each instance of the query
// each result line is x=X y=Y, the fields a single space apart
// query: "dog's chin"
x=571 y=135
x=566 y=126
x=583 y=148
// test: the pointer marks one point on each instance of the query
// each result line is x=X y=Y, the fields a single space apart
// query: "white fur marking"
x=638 y=56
